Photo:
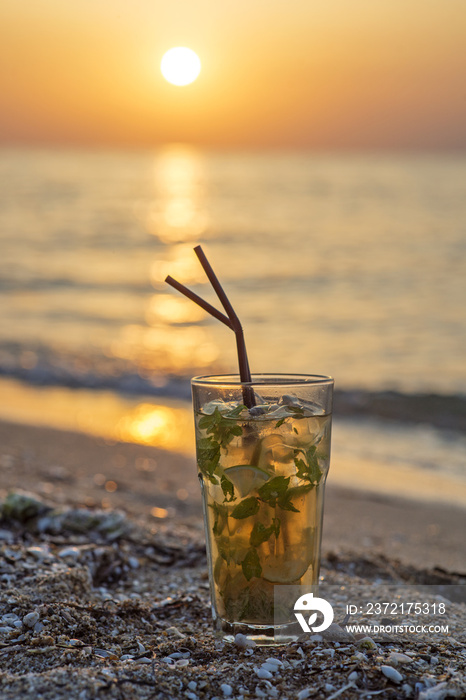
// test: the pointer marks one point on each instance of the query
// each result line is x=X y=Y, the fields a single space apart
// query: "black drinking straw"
x=231 y=320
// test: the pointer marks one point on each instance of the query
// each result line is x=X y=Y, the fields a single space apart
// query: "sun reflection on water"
x=172 y=341
x=178 y=213
x=161 y=426
x=171 y=309
x=179 y=262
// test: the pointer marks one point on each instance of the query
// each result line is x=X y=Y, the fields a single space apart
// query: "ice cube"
x=272 y=452
x=257 y=411
x=223 y=406
x=289 y=400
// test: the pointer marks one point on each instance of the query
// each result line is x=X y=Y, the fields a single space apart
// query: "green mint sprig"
x=222 y=427
x=251 y=565
x=220 y=430
x=260 y=533
x=308 y=468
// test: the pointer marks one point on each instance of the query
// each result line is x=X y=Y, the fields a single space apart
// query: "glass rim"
x=264 y=379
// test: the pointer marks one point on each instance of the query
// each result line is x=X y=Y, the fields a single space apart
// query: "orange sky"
x=284 y=73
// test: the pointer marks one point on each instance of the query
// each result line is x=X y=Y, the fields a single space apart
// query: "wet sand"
x=72 y=468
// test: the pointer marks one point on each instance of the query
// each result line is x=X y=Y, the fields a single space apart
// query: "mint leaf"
x=208 y=456
x=314 y=470
x=284 y=501
x=236 y=412
x=308 y=469
x=301 y=468
x=273 y=489
x=205 y=422
x=251 y=565
x=260 y=533
x=220 y=515
x=228 y=489
x=280 y=422
x=297 y=411
x=298 y=491
x=221 y=428
x=226 y=549
x=246 y=508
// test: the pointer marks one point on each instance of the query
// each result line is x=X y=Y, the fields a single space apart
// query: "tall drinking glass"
x=262 y=472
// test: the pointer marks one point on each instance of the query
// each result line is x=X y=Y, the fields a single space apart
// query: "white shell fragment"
x=392 y=674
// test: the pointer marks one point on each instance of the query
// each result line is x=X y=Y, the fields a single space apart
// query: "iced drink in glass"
x=262 y=472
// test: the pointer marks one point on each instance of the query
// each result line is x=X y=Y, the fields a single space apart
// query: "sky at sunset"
x=334 y=74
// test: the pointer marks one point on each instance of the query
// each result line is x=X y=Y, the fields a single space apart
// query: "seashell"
x=392 y=674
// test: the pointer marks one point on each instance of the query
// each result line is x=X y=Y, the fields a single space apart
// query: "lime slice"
x=279 y=570
x=246 y=478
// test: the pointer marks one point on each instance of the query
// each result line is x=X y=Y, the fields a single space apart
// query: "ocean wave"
x=440 y=410
x=40 y=284
x=447 y=412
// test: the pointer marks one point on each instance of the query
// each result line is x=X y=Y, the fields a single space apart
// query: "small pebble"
x=273 y=668
x=192 y=685
x=396 y=658
x=9 y=618
x=30 y=619
x=75 y=643
x=353 y=676
x=242 y=642
x=335 y=633
x=316 y=638
x=304 y=693
x=226 y=689
x=263 y=673
x=40 y=552
x=367 y=643
x=72 y=552
x=392 y=674
x=180 y=655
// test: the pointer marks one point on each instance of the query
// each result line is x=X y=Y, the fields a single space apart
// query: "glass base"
x=261 y=635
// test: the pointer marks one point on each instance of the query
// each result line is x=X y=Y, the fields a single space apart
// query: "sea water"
x=352 y=265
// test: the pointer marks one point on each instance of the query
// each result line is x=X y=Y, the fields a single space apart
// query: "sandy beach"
x=73 y=468
x=120 y=609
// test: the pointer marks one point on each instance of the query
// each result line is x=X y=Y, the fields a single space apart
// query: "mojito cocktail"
x=262 y=471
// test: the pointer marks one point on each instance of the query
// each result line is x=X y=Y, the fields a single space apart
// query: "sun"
x=180 y=66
